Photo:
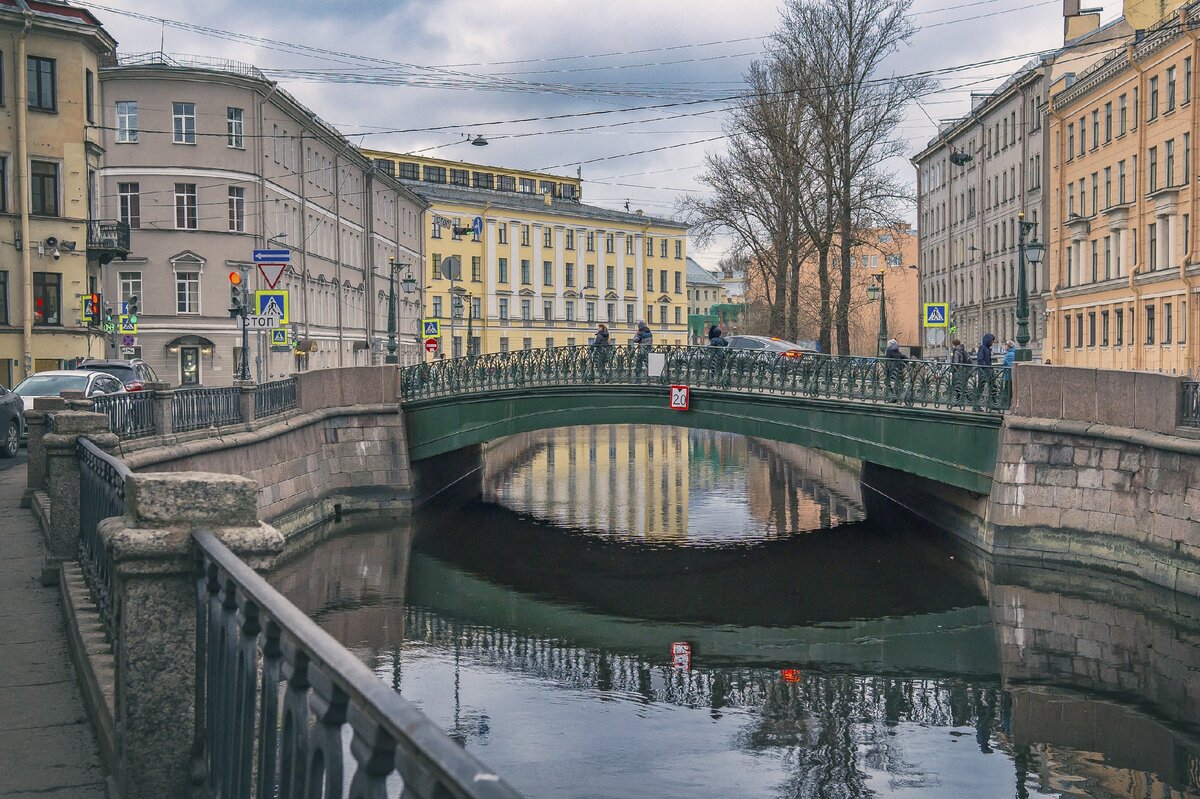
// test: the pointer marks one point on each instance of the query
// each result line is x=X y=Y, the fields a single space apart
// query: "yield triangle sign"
x=271 y=273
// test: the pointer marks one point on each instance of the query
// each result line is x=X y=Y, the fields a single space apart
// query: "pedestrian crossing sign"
x=128 y=325
x=936 y=314
x=272 y=303
x=431 y=328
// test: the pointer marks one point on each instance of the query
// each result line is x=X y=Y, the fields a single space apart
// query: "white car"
x=50 y=384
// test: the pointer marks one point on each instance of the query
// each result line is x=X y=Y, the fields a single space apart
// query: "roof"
x=531 y=203
x=697 y=275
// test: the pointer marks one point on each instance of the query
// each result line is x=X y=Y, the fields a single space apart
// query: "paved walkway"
x=47 y=747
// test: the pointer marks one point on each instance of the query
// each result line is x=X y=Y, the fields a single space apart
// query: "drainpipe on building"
x=1140 y=202
x=24 y=190
x=1055 y=120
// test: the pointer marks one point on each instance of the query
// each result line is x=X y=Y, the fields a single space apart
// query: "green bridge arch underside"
x=953 y=447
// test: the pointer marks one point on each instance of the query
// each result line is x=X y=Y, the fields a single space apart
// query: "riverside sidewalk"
x=47 y=747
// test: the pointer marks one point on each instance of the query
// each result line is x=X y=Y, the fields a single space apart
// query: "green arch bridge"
x=936 y=420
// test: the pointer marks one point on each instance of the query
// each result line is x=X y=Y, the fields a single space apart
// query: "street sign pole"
x=244 y=367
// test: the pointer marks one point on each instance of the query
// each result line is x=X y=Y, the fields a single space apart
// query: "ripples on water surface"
x=837 y=650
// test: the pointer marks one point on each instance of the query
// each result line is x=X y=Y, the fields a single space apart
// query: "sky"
x=640 y=86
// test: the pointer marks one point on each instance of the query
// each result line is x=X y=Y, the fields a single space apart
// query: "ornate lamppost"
x=409 y=284
x=878 y=292
x=1032 y=252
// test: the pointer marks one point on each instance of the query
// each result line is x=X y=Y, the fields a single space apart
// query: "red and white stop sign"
x=431 y=345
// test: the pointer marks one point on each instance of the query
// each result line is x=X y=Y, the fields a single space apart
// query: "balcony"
x=107 y=239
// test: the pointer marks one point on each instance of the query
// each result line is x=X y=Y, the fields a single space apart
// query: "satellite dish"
x=451 y=267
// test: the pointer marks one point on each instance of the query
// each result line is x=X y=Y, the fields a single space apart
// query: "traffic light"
x=108 y=316
x=235 y=294
x=95 y=317
x=131 y=309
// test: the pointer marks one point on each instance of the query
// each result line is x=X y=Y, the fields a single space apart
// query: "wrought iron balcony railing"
x=848 y=378
x=108 y=239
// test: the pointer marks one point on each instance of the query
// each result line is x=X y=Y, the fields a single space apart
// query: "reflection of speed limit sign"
x=679 y=398
x=681 y=655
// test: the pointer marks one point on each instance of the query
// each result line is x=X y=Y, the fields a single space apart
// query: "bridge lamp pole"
x=1032 y=252
x=409 y=284
x=878 y=292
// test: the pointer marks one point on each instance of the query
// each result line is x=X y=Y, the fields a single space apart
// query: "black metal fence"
x=101 y=495
x=275 y=691
x=849 y=378
x=275 y=397
x=1190 y=406
x=195 y=408
x=129 y=415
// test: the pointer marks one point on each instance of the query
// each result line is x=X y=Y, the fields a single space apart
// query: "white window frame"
x=194 y=208
x=235 y=127
x=127 y=122
x=237 y=209
x=181 y=131
x=190 y=281
x=129 y=285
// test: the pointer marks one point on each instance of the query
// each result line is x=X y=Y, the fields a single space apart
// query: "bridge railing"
x=1190 y=406
x=849 y=378
x=194 y=408
x=101 y=495
x=130 y=415
x=262 y=665
x=274 y=397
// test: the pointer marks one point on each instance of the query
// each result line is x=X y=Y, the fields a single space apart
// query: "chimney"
x=1079 y=21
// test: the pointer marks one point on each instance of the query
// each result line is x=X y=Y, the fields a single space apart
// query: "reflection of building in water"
x=627 y=480
x=669 y=484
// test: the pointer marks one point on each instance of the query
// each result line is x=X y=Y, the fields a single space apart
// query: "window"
x=435 y=261
x=1107 y=186
x=483 y=180
x=183 y=125
x=437 y=307
x=1107 y=257
x=662 y=314
x=47 y=298
x=502 y=270
x=1187 y=79
x=524 y=235
x=629 y=278
x=649 y=280
x=1104 y=328
x=629 y=312
x=1150 y=324
x=610 y=277
x=662 y=248
x=1136 y=106
x=1067 y=332
x=185 y=206
x=591 y=276
x=504 y=343
x=528 y=186
x=570 y=274
x=409 y=171
x=1082 y=134
x=591 y=312
x=679 y=249
x=526 y=277
x=476 y=268
x=547 y=273
x=679 y=282
x=502 y=230
x=1169 y=165
x=1152 y=105
x=89 y=94
x=39 y=74
x=1120 y=318
x=460 y=177
x=43 y=188
x=3 y=298
x=526 y=310
x=1095 y=128
x=1152 y=169
x=1122 y=115
x=547 y=237
x=549 y=187
x=591 y=241
x=187 y=292
x=1167 y=325
x=235 y=128
x=1182 y=321
x=504 y=308
x=548 y=310
x=1091 y=328
x=662 y=280
x=506 y=183
x=610 y=243
x=129 y=204
x=433 y=174
x=628 y=245
x=1070 y=142
x=1121 y=182
x=237 y=209
x=1079 y=330
x=1108 y=119
x=127 y=122
x=570 y=307
x=570 y=245
x=527 y=343
x=1170 y=89
x=1187 y=233
x=436 y=231
x=1187 y=159
x=650 y=246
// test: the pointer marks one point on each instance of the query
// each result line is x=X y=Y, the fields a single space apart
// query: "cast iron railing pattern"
x=108 y=234
x=101 y=495
x=130 y=415
x=194 y=408
x=273 y=398
x=274 y=692
x=850 y=378
x=1190 y=407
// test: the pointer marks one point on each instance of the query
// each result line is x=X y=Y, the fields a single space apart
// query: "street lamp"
x=1032 y=252
x=408 y=284
x=467 y=299
x=879 y=293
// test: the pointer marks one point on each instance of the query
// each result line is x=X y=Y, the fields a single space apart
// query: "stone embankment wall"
x=1092 y=469
x=343 y=446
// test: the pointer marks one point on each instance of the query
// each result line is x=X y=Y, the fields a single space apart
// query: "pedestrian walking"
x=600 y=350
x=716 y=338
x=1010 y=353
x=643 y=336
x=983 y=356
x=959 y=361
x=893 y=369
x=602 y=337
x=643 y=339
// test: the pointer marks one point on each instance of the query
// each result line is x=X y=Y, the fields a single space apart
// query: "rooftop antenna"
x=162 y=40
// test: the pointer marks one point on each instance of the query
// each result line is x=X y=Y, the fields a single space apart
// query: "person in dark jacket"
x=643 y=334
x=958 y=353
x=894 y=366
x=643 y=338
x=716 y=338
x=602 y=337
x=983 y=356
x=600 y=344
x=959 y=360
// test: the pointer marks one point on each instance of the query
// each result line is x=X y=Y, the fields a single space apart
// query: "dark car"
x=12 y=412
x=133 y=373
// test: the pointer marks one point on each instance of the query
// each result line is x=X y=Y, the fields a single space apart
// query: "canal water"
x=637 y=611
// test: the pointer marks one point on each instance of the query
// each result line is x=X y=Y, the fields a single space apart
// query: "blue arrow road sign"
x=272 y=256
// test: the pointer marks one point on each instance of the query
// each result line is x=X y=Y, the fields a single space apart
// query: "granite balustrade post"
x=35 y=426
x=246 y=400
x=164 y=401
x=77 y=400
x=159 y=743
x=60 y=441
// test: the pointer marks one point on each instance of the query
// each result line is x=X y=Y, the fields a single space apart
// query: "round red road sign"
x=431 y=345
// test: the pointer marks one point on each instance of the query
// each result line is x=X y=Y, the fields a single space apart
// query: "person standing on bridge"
x=600 y=344
x=894 y=369
x=642 y=338
x=983 y=356
x=716 y=338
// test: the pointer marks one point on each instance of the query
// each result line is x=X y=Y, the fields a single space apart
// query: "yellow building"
x=51 y=245
x=544 y=268
x=1121 y=249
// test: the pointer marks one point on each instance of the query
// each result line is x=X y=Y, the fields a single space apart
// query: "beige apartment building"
x=208 y=161
x=979 y=173
x=51 y=239
x=1122 y=239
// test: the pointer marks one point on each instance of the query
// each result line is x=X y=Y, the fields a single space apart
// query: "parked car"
x=12 y=422
x=134 y=373
x=51 y=384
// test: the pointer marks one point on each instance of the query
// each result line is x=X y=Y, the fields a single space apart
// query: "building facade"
x=1122 y=243
x=207 y=161
x=50 y=243
x=978 y=174
x=545 y=268
x=704 y=290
